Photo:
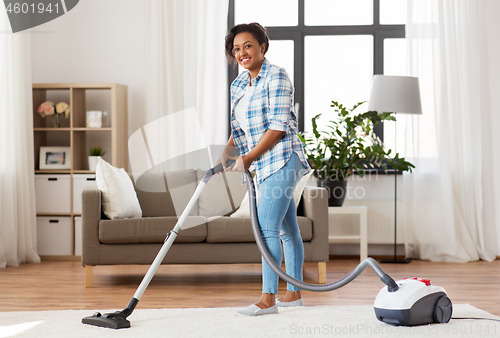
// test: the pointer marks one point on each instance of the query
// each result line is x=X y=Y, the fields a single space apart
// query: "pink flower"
x=46 y=108
x=49 y=110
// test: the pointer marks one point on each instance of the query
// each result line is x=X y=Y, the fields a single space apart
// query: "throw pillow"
x=119 y=199
x=244 y=209
x=299 y=189
x=214 y=200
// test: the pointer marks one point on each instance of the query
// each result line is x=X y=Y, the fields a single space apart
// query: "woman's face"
x=247 y=52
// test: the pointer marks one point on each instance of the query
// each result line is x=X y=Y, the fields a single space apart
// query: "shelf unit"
x=73 y=133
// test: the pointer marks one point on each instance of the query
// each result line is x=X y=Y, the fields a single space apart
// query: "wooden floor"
x=55 y=285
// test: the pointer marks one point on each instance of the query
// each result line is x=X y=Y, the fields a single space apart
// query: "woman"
x=264 y=134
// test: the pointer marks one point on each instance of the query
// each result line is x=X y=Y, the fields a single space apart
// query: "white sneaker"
x=254 y=310
x=297 y=302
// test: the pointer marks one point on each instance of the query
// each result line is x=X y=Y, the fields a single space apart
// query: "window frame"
x=298 y=33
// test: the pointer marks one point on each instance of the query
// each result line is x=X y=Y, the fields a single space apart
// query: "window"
x=339 y=68
x=393 y=12
x=252 y=11
x=330 y=48
x=338 y=12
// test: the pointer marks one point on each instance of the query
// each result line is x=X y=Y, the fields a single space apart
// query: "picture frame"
x=55 y=158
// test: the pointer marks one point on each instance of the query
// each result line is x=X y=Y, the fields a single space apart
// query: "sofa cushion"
x=215 y=200
x=154 y=199
x=150 y=230
x=239 y=230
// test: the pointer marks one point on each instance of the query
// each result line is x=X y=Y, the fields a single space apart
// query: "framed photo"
x=55 y=158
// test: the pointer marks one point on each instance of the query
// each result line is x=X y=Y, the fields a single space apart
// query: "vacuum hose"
x=391 y=284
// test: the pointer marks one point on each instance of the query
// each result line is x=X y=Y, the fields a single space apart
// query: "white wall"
x=97 y=41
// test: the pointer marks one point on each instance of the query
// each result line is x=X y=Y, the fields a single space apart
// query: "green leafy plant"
x=349 y=145
x=97 y=151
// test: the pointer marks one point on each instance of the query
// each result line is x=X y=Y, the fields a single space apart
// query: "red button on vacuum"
x=423 y=280
x=426 y=281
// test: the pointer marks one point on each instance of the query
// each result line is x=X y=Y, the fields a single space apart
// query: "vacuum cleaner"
x=406 y=302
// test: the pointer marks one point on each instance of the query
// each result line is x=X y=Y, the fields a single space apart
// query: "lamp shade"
x=395 y=94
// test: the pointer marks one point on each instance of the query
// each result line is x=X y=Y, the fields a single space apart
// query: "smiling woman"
x=248 y=53
x=264 y=136
x=246 y=38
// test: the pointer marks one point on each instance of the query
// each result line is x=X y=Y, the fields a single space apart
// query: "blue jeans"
x=277 y=212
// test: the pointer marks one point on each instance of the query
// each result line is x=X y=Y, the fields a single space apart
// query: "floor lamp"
x=395 y=94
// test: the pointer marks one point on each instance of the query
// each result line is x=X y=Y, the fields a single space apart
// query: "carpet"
x=314 y=321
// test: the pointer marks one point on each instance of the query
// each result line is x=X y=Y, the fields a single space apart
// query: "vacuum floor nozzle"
x=109 y=320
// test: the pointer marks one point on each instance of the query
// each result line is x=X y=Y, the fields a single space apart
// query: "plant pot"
x=337 y=191
x=93 y=162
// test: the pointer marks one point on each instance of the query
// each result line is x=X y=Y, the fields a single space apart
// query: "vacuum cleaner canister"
x=416 y=302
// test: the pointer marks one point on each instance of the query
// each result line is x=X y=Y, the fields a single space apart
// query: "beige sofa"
x=216 y=240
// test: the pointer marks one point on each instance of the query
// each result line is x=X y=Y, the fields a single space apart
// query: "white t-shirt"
x=240 y=110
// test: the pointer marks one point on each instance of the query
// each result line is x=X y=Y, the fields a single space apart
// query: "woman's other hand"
x=228 y=153
x=242 y=164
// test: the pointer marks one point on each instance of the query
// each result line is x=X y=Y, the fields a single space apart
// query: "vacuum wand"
x=118 y=319
x=178 y=226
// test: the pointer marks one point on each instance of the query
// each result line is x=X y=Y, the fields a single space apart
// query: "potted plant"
x=349 y=146
x=95 y=153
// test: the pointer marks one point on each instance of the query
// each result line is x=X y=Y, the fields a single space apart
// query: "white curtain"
x=453 y=193
x=186 y=68
x=17 y=180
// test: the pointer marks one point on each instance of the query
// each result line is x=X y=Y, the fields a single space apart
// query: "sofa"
x=214 y=236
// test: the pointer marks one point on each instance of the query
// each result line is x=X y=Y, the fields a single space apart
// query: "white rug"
x=314 y=321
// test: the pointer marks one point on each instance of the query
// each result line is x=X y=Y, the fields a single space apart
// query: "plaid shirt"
x=270 y=107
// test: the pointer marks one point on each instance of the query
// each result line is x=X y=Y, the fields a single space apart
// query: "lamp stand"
x=395 y=260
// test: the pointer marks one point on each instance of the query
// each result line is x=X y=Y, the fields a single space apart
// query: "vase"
x=93 y=162
x=55 y=121
x=337 y=191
